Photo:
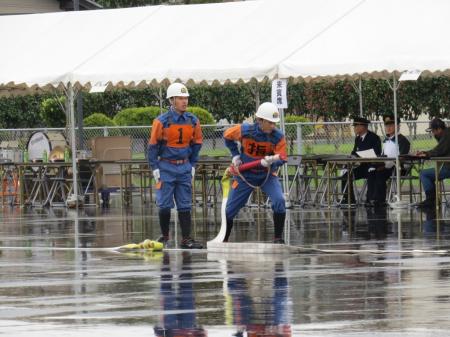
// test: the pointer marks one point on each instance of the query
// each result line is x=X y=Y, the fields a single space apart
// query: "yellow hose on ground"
x=144 y=245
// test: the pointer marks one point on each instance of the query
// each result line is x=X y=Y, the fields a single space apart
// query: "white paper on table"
x=370 y=153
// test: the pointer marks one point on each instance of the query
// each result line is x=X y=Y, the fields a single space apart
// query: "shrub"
x=290 y=129
x=98 y=119
x=143 y=116
x=295 y=119
x=205 y=117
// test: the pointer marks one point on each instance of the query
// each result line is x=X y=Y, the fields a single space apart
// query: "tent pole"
x=160 y=100
x=254 y=88
x=398 y=203
x=284 y=168
x=80 y=120
x=360 y=97
x=358 y=89
x=257 y=97
x=397 y=160
x=71 y=106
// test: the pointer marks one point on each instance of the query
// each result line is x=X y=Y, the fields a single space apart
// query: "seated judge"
x=364 y=140
x=384 y=172
x=428 y=176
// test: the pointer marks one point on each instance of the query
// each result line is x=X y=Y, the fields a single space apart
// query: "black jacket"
x=371 y=141
x=442 y=149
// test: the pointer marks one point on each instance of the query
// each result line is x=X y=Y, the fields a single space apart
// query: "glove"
x=268 y=160
x=236 y=161
x=389 y=164
x=156 y=175
x=265 y=163
x=271 y=159
x=193 y=171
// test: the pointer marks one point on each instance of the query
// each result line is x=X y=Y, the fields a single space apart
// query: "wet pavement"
x=48 y=288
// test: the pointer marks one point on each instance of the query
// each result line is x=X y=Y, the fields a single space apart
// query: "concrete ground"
x=56 y=278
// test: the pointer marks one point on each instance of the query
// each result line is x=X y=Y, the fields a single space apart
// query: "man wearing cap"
x=384 y=172
x=259 y=141
x=442 y=149
x=173 y=151
x=364 y=140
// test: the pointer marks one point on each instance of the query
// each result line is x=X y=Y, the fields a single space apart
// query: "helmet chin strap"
x=172 y=105
x=260 y=122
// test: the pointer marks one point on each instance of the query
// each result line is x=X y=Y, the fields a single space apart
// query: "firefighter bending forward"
x=261 y=140
x=173 y=151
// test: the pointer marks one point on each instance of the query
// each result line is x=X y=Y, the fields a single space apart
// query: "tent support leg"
x=398 y=202
x=71 y=115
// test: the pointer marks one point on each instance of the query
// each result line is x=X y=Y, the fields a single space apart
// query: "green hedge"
x=205 y=117
x=306 y=129
x=143 y=116
x=98 y=119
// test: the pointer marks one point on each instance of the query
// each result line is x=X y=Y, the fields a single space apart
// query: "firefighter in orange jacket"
x=261 y=140
x=173 y=150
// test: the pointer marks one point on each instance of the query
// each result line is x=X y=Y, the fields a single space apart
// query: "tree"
x=296 y=98
x=52 y=112
x=377 y=98
x=411 y=102
x=231 y=101
x=111 y=102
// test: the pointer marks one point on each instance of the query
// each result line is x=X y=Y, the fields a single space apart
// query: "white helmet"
x=177 y=90
x=268 y=111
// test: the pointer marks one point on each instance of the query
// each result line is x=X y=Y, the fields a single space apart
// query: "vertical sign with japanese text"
x=279 y=96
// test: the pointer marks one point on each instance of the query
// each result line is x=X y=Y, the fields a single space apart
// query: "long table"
x=41 y=183
x=333 y=163
x=50 y=184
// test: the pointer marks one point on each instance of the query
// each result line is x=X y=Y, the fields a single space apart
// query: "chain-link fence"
x=302 y=138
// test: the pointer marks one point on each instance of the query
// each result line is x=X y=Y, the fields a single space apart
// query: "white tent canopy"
x=224 y=42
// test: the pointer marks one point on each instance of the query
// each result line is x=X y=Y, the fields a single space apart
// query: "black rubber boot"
x=228 y=231
x=164 y=240
x=164 y=221
x=430 y=200
x=185 y=223
x=278 y=222
x=189 y=243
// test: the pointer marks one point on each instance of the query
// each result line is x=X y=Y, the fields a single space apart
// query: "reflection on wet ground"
x=45 y=291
